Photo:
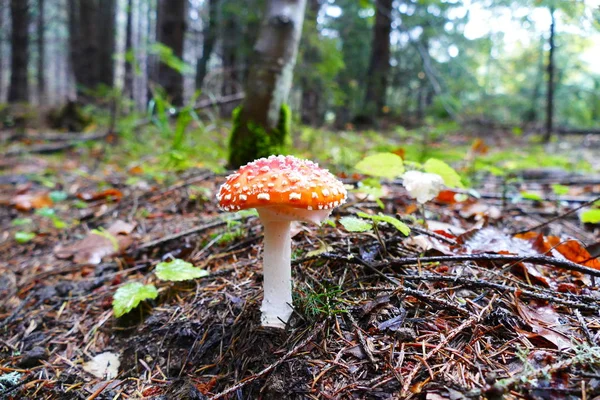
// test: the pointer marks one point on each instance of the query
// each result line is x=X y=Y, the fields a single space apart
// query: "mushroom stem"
x=276 y=307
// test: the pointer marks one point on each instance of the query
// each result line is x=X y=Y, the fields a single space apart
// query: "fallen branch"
x=56 y=147
x=271 y=367
x=543 y=224
x=214 y=224
x=533 y=259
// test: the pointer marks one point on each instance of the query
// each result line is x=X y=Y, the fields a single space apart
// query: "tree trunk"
x=106 y=15
x=379 y=65
x=209 y=37
x=19 y=86
x=128 y=84
x=230 y=44
x=170 y=31
x=261 y=124
x=311 y=113
x=92 y=42
x=2 y=35
x=550 y=71
x=41 y=45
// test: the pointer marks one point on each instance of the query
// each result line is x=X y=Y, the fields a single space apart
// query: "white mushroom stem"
x=277 y=269
x=276 y=306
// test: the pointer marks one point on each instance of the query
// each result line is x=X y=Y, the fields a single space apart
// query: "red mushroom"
x=282 y=189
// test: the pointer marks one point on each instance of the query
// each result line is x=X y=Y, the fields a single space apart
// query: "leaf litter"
x=461 y=308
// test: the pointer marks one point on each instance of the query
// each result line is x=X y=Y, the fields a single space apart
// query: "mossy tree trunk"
x=261 y=123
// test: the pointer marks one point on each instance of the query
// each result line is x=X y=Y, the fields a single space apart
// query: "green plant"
x=325 y=302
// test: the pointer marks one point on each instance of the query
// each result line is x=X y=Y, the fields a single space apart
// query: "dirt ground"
x=495 y=297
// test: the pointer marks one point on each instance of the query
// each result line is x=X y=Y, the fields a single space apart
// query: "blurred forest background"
x=529 y=65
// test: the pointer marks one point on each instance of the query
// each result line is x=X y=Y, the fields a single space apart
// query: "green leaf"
x=20 y=221
x=178 y=270
x=45 y=212
x=168 y=57
x=590 y=216
x=531 y=196
x=127 y=297
x=24 y=237
x=58 y=196
x=382 y=165
x=559 y=189
x=395 y=222
x=353 y=224
x=448 y=174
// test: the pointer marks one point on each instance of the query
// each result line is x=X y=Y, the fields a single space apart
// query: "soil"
x=372 y=321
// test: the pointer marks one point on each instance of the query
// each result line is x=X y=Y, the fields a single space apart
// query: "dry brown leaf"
x=29 y=201
x=96 y=245
x=114 y=194
x=545 y=322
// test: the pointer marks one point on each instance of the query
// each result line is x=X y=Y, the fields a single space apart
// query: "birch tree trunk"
x=261 y=123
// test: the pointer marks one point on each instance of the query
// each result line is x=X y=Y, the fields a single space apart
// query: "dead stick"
x=271 y=367
x=589 y=203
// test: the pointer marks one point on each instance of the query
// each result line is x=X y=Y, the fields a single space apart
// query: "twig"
x=55 y=147
x=534 y=259
x=503 y=288
x=548 y=222
x=214 y=224
x=271 y=367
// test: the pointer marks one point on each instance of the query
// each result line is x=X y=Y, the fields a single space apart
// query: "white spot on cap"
x=295 y=196
x=309 y=208
x=315 y=195
x=325 y=192
x=237 y=185
x=228 y=197
x=243 y=197
x=263 y=196
x=270 y=184
x=264 y=169
x=245 y=189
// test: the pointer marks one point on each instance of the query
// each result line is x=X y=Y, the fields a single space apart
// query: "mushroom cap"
x=281 y=181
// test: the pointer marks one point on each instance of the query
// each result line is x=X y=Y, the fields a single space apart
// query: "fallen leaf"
x=544 y=321
x=113 y=194
x=103 y=365
x=98 y=244
x=28 y=201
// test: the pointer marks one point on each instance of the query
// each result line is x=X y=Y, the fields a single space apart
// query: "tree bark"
x=379 y=65
x=170 y=31
x=2 y=35
x=128 y=84
x=106 y=41
x=311 y=113
x=261 y=125
x=550 y=72
x=230 y=45
x=92 y=42
x=41 y=45
x=19 y=85
x=208 y=43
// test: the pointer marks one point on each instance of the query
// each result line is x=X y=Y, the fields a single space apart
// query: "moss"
x=251 y=140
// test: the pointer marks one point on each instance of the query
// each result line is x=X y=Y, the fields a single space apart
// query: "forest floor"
x=495 y=296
